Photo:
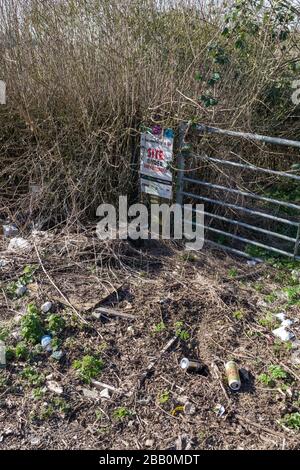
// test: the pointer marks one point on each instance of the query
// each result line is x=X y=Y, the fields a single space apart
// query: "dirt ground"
x=217 y=307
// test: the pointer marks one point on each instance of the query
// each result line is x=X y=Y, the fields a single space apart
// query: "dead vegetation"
x=83 y=78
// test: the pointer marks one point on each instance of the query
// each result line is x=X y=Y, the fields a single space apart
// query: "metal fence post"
x=180 y=165
x=297 y=242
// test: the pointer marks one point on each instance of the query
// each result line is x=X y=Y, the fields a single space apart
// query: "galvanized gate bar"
x=243 y=224
x=233 y=250
x=247 y=167
x=242 y=193
x=244 y=240
x=249 y=211
x=249 y=136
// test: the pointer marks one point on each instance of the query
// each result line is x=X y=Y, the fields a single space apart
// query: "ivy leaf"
x=221 y=59
x=214 y=79
x=295 y=66
x=225 y=32
x=198 y=76
x=209 y=100
x=240 y=44
x=283 y=35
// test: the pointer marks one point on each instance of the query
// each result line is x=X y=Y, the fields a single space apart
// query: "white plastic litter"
x=295 y=358
x=280 y=316
x=219 y=410
x=2 y=355
x=10 y=230
x=46 y=343
x=252 y=262
x=287 y=322
x=54 y=387
x=189 y=409
x=105 y=393
x=130 y=330
x=149 y=443
x=93 y=394
x=283 y=334
x=3 y=262
x=295 y=275
x=57 y=355
x=18 y=244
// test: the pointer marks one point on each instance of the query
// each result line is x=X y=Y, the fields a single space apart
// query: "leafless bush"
x=83 y=76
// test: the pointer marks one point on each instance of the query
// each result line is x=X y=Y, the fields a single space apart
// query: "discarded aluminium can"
x=2 y=355
x=190 y=365
x=233 y=375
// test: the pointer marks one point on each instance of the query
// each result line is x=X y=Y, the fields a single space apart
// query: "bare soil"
x=220 y=302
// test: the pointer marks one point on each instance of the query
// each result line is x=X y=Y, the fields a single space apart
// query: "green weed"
x=21 y=351
x=164 y=397
x=269 y=321
x=56 y=323
x=31 y=325
x=239 y=314
x=33 y=377
x=233 y=272
x=180 y=332
x=121 y=413
x=88 y=368
x=159 y=327
x=274 y=373
x=292 y=420
x=4 y=333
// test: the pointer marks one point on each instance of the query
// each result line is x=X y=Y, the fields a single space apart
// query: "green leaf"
x=214 y=79
x=209 y=100
x=198 y=76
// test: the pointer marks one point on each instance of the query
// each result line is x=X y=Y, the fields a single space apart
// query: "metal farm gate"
x=237 y=217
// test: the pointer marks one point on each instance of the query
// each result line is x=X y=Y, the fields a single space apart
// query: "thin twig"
x=57 y=288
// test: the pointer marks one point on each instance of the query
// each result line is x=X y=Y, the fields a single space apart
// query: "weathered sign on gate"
x=155 y=167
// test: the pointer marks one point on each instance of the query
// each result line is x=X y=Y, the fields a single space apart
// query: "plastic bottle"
x=2 y=355
x=46 y=343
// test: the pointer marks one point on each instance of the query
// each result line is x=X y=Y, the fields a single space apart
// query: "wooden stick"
x=151 y=365
x=55 y=286
x=112 y=312
x=102 y=386
x=217 y=374
x=258 y=426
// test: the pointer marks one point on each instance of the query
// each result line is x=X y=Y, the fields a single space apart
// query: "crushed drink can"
x=233 y=375
x=190 y=365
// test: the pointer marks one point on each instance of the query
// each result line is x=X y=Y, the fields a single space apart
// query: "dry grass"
x=83 y=76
